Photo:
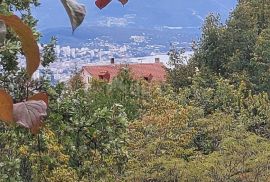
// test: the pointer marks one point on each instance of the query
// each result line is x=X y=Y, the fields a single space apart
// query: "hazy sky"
x=152 y=13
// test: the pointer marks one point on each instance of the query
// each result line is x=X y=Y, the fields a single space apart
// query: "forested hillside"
x=209 y=122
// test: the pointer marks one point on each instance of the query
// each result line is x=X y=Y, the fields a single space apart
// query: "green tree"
x=209 y=53
x=234 y=50
x=181 y=70
x=15 y=164
x=123 y=90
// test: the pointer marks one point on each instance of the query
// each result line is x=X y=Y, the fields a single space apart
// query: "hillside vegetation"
x=209 y=122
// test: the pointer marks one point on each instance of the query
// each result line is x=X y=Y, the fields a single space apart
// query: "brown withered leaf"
x=40 y=96
x=124 y=1
x=102 y=3
x=75 y=11
x=3 y=31
x=29 y=44
x=6 y=107
x=29 y=114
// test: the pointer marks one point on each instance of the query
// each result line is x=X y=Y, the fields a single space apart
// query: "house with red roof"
x=152 y=72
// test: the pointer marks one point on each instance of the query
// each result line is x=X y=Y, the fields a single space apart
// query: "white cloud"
x=117 y=21
x=178 y=27
x=130 y=16
x=173 y=28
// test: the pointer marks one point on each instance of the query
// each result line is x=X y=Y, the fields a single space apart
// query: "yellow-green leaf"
x=29 y=44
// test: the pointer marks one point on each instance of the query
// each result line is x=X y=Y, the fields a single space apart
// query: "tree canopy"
x=208 y=122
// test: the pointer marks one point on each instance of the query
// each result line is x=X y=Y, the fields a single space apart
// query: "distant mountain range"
x=161 y=18
x=120 y=35
x=141 y=29
x=137 y=13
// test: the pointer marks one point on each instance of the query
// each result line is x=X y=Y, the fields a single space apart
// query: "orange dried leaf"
x=29 y=114
x=6 y=107
x=29 y=44
x=40 y=96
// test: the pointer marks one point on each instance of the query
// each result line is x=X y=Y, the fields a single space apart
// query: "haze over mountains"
x=140 y=31
x=137 y=13
x=138 y=16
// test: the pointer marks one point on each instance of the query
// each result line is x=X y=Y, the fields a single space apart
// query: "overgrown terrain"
x=209 y=122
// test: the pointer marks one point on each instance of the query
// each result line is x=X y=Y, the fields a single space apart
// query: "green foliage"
x=209 y=53
x=239 y=47
x=49 y=55
x=209 y=123
x=181 y=70
x=123 y=90
x=207 y=132
x=14 y=78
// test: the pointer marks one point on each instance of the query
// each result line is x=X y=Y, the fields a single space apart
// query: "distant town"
x=99 y=52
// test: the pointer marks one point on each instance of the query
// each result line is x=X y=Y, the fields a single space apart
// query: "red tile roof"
x=155 y=70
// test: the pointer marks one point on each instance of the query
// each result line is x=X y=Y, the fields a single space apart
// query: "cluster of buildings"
x=96 y=55
x=62 y=71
